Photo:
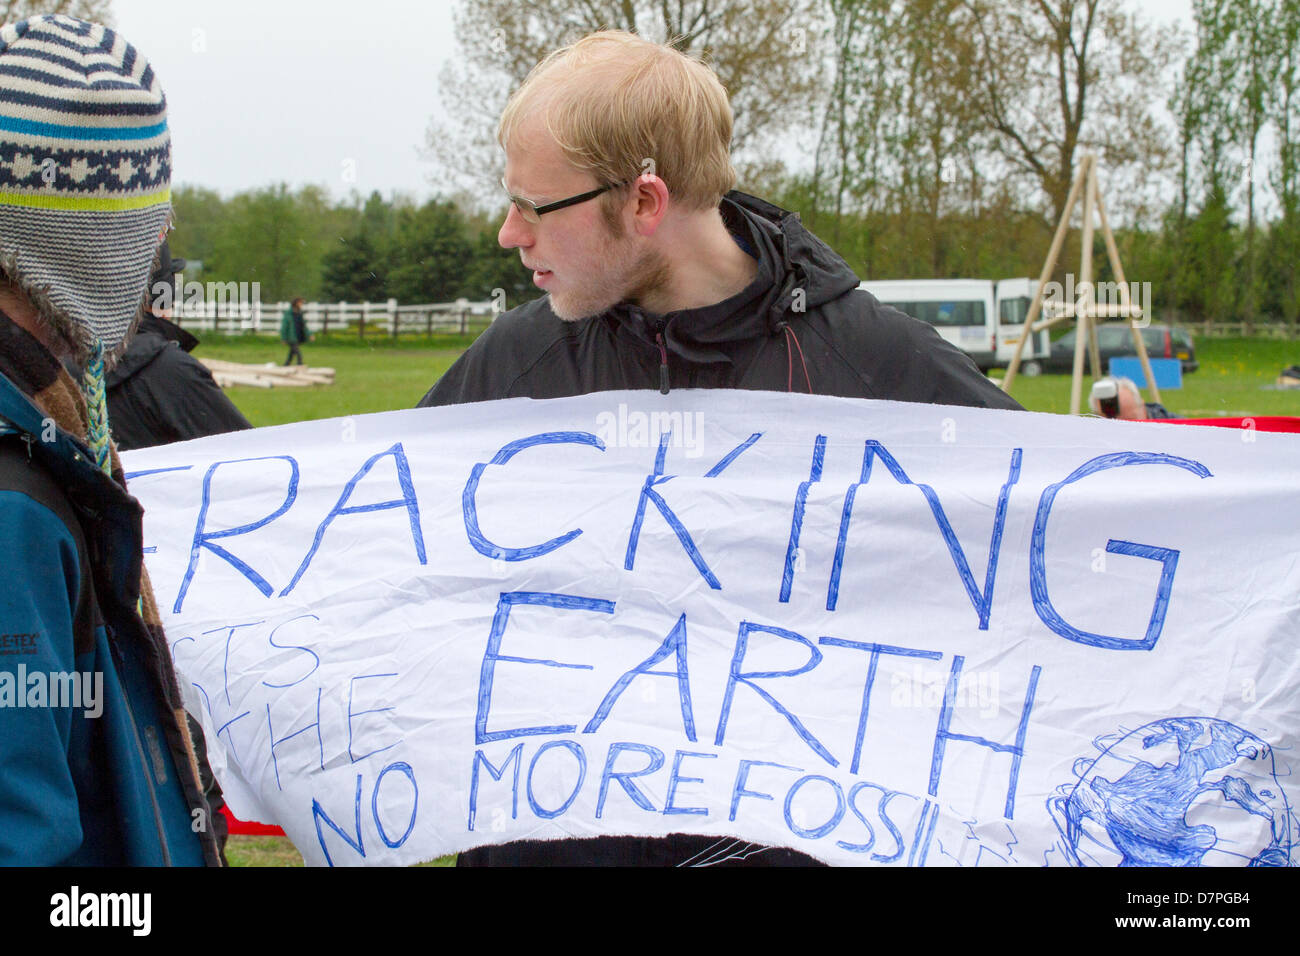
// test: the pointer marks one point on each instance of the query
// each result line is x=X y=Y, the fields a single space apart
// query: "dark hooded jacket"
x=802 y=325
x=158 y=393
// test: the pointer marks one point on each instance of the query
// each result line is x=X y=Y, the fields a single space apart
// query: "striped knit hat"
x=85 y=173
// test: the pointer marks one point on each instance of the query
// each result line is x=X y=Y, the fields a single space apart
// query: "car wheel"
x=1031 y=369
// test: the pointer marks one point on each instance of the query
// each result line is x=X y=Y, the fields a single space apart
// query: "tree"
x=1240 y=81
x=495 y=268
x=1229 y=76
x=198 y=217
x=355 y=268
x=1209 y=287
x=760 y=49
x=1284 y=106
x=430 y=254
x=277 y=238
x=353 y=271
x=1053 y=77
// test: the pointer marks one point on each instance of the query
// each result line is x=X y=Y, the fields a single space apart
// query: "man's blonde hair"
x=620 y=106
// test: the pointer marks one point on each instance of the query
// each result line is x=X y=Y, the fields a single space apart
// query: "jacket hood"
x=154 y=335
x=796 y=272
x=815 y=267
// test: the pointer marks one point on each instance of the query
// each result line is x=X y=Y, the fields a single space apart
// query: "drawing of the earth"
x=1183 y=791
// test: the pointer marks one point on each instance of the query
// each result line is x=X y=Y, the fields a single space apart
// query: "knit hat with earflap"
x=85 y=174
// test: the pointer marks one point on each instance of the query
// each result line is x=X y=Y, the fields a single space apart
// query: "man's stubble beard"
x=625 y=280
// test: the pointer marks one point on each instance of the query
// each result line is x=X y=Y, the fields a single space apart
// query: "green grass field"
x=375 y=375
x=379 y=375
x=1233 y=381
x=278 y=851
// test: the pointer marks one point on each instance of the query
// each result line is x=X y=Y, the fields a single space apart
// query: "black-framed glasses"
x=533 y=212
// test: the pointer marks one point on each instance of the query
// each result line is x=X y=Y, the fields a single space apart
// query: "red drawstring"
x=789 y=375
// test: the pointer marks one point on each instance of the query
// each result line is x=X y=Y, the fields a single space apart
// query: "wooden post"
x=1084 y=307
x=1112 y=252
x=394 y=316
x=1049 y=264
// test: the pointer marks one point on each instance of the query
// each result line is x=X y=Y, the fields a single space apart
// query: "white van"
x=980 y=316
x=1014 y=296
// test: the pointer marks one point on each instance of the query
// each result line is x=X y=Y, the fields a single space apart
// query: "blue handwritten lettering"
x=657 y=477
x=742 y=778
x=275 y=743
x=944 y=734
x=407 y=501
x=516 y=757
x=624 y=778
x=578 y=755
x=737 y=676
x=982 y=601
x=814 y=833
x=675 y=778
x=875 y=650
x=1168 y=557
x=318 y=815
x=405 y=769
x=296 y=647
x=352 y=687
x=492 y=654
x=469 y=505
x=675 y=642
x=796 y=519
x=204 y=538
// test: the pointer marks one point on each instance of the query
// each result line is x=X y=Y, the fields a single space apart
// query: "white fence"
x=363 y=318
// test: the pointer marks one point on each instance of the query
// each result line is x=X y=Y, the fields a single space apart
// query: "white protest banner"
x=878 y=633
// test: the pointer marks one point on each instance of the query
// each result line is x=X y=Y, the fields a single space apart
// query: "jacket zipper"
x=663 y=363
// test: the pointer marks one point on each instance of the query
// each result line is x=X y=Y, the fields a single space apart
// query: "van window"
x=944 y=313
x=1013 y=311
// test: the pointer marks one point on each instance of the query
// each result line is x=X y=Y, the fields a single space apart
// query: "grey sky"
x=278 y=91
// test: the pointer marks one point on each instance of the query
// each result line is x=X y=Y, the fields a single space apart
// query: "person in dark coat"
x=293 y=330
x=660 y=275
x=159 y=393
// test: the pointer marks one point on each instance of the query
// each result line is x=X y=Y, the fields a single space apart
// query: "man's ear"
x=650 y=198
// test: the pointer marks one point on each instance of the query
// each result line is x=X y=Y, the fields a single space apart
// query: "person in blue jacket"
x=96 y=764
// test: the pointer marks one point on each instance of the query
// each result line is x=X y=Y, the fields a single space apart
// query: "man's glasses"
x=533 y=213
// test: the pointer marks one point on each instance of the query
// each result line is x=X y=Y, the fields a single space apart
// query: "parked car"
x=1116 y=341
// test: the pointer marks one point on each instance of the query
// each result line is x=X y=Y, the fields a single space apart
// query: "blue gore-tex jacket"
x=110 y=780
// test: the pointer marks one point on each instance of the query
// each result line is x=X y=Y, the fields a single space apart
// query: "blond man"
x=658 y=274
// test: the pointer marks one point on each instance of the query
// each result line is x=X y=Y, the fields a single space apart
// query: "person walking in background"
x=293 y=331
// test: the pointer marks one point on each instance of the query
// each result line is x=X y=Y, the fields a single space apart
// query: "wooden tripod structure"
x=1084 y=309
